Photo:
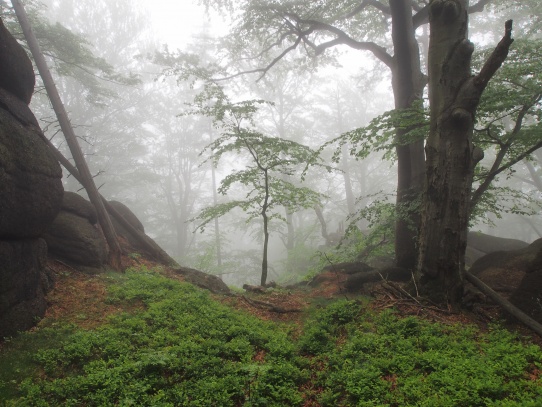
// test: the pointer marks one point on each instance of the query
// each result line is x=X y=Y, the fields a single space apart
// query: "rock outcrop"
x=512 y=274
x=74 y=236
x=16 y=71
x=30 y=194
x=203 y=280
x=132 y=219
x=479 y=244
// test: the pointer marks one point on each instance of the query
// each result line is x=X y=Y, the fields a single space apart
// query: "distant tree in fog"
x=267 y=176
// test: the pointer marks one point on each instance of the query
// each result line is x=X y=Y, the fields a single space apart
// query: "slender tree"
x=271 y=163
x=58 y=106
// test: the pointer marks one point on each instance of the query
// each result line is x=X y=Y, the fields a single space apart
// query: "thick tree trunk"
x=454 y=95
x=65 y=125
x=408 y=84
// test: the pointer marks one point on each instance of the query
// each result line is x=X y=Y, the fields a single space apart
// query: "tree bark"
x=408 y=84
x=86 y=177
x=454 y=95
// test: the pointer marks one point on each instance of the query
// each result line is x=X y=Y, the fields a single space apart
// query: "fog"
x=146 y=147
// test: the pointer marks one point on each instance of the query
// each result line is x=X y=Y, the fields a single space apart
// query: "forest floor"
x=140 y=338
x=81 y=299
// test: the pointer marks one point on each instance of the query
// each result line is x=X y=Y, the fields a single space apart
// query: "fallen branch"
x=65 y=265
x=268 y=306
x=507 y=305
x=258 y=289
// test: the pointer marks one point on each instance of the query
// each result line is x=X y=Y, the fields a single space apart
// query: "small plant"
x=134 y=256
x=181 y=349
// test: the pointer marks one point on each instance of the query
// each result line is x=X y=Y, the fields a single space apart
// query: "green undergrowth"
x=182 y=348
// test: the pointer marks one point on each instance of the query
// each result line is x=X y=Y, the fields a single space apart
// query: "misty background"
x=132 y=113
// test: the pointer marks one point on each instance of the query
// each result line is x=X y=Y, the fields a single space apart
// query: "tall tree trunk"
x=265 y=230
x=454 y=95
x=408 y=84
x=290 y=236
x=65 y=125
x=350 y=199
x=217 y=225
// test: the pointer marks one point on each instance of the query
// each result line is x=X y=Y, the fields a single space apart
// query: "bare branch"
x=479 y=7
x=421 y=17
x=496 y=168
x=491 y=175
x=343 y=38
x=265 y=69
x=364 y=4
x=496 y=58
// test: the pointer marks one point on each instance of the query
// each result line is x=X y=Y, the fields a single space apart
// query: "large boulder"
x=528 y=296
x=479 y=244
x=16 y=71
x=23 y=283
x=30 y=194
x=76 y=204
x=132 y=219
x=512 y=275
x=30 y=180
x=202 y=280
x=76 y=241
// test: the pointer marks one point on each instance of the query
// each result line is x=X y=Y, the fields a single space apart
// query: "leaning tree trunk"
x=65 y=125
x=146 y=242
x=454 y=95
x=408 y=84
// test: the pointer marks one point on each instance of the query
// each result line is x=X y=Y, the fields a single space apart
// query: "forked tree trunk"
x=454 y=95
x=65 y=125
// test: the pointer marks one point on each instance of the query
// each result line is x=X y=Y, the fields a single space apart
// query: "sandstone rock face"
x=511 y=274
x=479 y=244
x=74 y=236
x=75 y=240
x=16 y=71
x=23 y=283
x=76 y=204
x=30 y=194
x=127 y=214
x=30 y=180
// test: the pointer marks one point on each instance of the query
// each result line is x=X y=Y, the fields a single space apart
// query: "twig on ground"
x=268 y=306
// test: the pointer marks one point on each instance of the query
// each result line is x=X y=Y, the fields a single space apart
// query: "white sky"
x=175 y=21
